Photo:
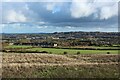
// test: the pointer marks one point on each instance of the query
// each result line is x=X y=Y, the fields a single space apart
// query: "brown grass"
x=55 y=66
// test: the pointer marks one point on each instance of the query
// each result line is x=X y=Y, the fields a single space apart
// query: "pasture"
x=20 y=46
x=73 y=51
x=68 y=51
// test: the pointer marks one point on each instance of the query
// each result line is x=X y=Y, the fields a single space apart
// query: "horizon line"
x=56 y=32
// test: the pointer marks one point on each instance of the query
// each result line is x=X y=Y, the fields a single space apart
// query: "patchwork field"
x=38 y=65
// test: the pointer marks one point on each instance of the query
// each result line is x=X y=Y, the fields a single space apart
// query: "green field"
x=96 y=47
x=72 y=51
x=21 y=46
x=69 y=51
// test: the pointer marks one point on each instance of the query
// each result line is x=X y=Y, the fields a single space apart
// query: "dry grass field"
x=37 y=65
x=0 y=64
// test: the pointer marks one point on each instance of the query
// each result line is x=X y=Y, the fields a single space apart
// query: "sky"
x=48 y=16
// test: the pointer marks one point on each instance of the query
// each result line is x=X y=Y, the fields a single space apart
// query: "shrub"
x=44 y=52
x=65 y=52
x=50 y=52
x=36 y=51
x=108 y=52
x=78 y=53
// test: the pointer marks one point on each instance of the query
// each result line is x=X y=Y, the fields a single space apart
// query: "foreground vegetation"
x=35 y=65
x=67 y=71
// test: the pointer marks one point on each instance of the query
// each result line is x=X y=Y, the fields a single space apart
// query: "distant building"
x=55 y=38
x=55 y=45
x=11 y=44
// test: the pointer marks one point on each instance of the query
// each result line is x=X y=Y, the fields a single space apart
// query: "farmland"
x=61 y=55
x=69 y=51
x=14 y=46
x=93 y=62
x=36 y=65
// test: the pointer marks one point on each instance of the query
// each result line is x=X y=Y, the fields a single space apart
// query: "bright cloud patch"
x=13 y=16
x=82 y=9
x=87 y=8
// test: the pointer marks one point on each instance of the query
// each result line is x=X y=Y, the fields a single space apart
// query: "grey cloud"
x=57 y=15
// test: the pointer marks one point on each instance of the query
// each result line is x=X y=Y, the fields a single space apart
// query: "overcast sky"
x=59 y=16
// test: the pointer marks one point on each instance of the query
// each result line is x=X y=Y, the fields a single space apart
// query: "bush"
x=44 y=52
x=78 y=53
x=36 y=51
x=65 y=52
x=108 y=52
x=50 y=52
